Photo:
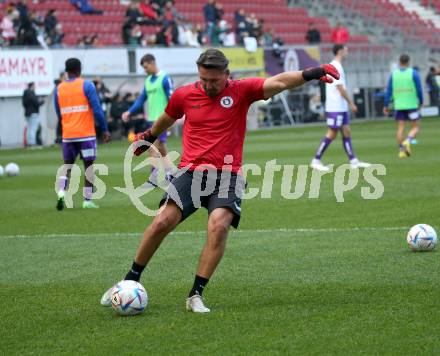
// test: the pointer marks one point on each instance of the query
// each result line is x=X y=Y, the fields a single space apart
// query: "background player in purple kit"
x=337 y=104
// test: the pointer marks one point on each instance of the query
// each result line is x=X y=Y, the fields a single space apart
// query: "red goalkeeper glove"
x=320 y=73
x=144 y=136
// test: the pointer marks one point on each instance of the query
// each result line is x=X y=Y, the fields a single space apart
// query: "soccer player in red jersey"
x=215 y=110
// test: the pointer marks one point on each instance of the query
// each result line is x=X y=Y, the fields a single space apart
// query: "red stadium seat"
x=408 y=22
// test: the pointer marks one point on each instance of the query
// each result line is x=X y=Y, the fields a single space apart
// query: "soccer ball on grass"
x=422 y=237
x=129 y=298
x=12 y=169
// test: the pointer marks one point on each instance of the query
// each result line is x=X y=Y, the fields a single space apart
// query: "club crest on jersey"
x=226 y=102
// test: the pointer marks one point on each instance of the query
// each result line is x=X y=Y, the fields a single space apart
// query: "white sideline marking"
x=256 y=231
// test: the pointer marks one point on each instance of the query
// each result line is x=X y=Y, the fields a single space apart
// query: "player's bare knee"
x=160 y=226
x=219 y=229
x=219 y=225
x=331 y=134
x=164 y=224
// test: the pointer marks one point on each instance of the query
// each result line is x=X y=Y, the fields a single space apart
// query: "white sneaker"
x=195 y=304
x=355 y=163
x=106 y=299
x=319 y=166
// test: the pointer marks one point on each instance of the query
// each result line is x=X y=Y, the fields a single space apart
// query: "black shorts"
x=191 y=190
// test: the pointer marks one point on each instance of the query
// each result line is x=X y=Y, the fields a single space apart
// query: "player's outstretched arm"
x=290 y=80
x=163 y=123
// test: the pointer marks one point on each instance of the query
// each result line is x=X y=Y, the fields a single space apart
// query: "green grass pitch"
x=305 y=276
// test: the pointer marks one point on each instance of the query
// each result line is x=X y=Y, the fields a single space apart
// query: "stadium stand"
x=394 y=16
x=434 y=4
x=421 y=9
x=107 y=26
x=289 y=23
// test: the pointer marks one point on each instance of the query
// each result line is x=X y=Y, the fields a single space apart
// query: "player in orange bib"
x=77 y=105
